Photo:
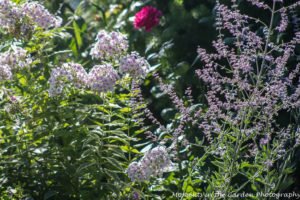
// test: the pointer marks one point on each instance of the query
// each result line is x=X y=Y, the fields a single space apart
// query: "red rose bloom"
x=148 y=17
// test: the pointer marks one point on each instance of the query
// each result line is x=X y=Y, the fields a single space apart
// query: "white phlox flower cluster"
x=9 y=13
x=13 y=60
x=109 y=45
x=68 y=73
x=103 y=78
x=134 y=64
x=5 y=73
x=153 y=163
x=137 y=171
x=24 y=18
x=40 y=15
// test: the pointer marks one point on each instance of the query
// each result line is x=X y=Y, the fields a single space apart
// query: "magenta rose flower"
x=148 y=17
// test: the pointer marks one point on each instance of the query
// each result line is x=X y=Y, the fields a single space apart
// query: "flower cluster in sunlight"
x=16 y=58
x=109 y=45
x=134 y=64
x=103 y=78
x=67 y=73
x=40 y=15
x=22 y=19
x=153 y=163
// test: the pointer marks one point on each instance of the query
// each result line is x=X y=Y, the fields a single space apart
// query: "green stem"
x=267 y=44
x=102 y=12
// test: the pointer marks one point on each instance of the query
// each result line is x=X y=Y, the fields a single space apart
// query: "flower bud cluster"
x=134 y=64
x=68 y=73
x=153 y=163
x=103 y=78
x=109 y=45
x=13 y=60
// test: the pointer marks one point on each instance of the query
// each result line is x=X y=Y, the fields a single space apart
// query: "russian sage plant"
x=250 y=82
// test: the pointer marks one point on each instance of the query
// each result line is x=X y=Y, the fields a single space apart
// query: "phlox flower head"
x=40 y=15
x=153 y=163
x=136 y=171
x=148 y=17
x=69 y=73
x=156 y=160
x=5 y=73
x=16 y=58
x=9 y=13
x=134 y=64
x=103 y=78
x=21 y=19
x=109 y=45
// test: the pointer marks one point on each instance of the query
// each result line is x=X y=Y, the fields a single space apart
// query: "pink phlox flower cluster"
x=103 y=78
x=153 y=163
x=111 y=45
x=134 y=64
x=16 y=58
x=40 y=15
x=71 y=73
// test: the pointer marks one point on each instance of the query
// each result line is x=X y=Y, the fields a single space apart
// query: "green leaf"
x=116 y=138
x=77 y=34
x=72 y=46
x=49 y=194
x=114 y=163
x=286 y=183
x=288 y=171
x=246 y=164
x=125 y=110
x=253 y=187
x=218 y=164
